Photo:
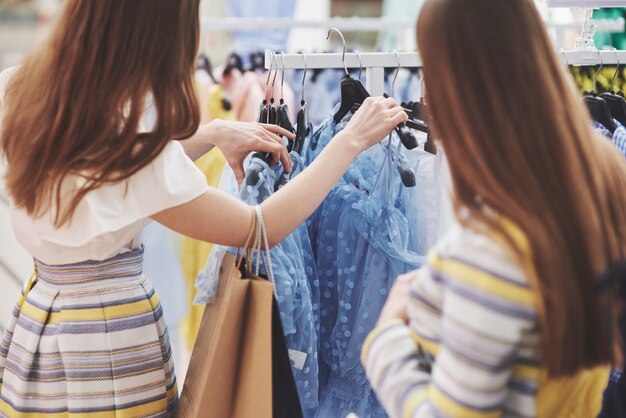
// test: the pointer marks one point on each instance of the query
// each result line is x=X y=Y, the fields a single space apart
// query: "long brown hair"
x=75 y=105
x=519 y=141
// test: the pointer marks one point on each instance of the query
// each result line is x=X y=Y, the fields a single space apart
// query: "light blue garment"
x=250 y=41
x=364 y=236
x=598 y=127
x=294 y=268
x=619 y=138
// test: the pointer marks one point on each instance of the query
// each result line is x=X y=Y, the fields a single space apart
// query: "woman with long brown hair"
x=87 y=336
x=508 y=317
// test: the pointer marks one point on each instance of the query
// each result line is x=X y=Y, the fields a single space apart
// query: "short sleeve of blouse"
x=114 y=214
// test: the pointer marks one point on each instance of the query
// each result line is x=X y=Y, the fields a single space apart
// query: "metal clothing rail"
x=359 y=24
x=593 y=57
x=374 y=64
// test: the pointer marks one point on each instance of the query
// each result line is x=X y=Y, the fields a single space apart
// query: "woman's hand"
x=398 y=300
x=374 y=120
x=238 y=139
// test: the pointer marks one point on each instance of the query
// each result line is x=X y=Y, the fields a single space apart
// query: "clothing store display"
x=472 y=308
x=88 y=338
x=116 y=299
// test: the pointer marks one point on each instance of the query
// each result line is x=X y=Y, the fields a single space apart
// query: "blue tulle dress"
x=364 y=235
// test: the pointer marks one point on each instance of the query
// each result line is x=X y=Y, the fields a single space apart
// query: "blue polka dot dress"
x=364 y=235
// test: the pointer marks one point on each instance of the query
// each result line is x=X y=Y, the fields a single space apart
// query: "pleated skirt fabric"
x=89 y=340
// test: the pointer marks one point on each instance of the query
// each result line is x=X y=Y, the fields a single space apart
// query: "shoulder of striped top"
x=483 y=266
x=480 y=250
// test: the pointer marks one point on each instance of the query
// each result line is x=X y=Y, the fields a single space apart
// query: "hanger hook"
x=269 y=73
x=595 y=77
x=395 y=77
x=275 y=73
x=343 y=40
x=282 y=79
x=358 y=54
x=616 y=70
x=306 y=68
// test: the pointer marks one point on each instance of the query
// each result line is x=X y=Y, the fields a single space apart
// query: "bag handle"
x=260 y=245
x=245 y=250
x=262 y=234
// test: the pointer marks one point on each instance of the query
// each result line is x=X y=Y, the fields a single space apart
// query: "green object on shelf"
x=605 y=39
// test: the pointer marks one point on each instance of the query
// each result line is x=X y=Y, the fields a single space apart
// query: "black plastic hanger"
x=282 y=111
x=406 y=173
x=257 y=61
x=617 y=103
x=234 y=62
x=303 y=127
x=204 y=63
x=352 y=90
x=598 y=107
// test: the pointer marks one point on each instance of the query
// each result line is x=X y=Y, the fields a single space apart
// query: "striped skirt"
x=89 y=340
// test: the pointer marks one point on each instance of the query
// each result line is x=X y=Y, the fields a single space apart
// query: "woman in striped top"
x=507 y=318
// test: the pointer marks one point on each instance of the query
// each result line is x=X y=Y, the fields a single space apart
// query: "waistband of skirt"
x=125 y=266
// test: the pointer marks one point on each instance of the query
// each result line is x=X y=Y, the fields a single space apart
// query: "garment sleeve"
x=481 y=322
x=170 y=180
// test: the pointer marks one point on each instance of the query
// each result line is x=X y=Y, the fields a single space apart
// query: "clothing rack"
x=374 y=64
x=365 y=24
x=593 y=57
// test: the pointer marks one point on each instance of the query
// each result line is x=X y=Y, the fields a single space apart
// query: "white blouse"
x=109 y=220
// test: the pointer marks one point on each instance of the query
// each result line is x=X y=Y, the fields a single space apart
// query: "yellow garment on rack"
x=583 y=76
x=194 y=253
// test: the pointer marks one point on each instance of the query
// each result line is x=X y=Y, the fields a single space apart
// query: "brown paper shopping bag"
x=239 y=367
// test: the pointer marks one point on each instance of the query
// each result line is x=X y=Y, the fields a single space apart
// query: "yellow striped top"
x=471 y=348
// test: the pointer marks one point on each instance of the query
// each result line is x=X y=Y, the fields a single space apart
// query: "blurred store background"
x=23 y=23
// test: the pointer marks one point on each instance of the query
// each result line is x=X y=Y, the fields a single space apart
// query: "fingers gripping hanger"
x=616 y=103
x=598 y=107
x=352 y=91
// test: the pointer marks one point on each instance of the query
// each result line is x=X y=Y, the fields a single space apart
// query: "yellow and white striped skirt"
x=89 y=340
